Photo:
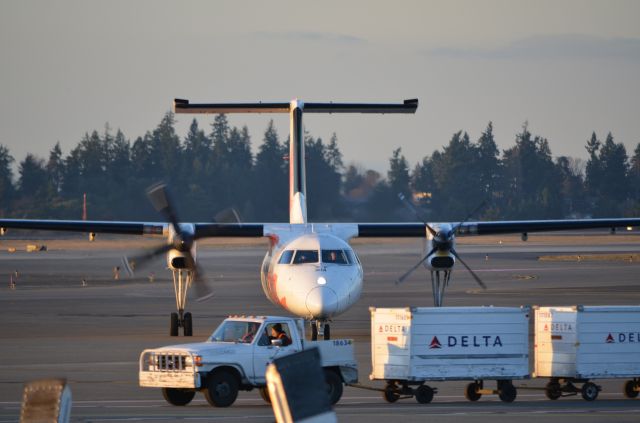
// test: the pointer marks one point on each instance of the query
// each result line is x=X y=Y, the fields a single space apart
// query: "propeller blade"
x=413 y=210
x=476 y=277
x=200 y=286
x=129 y=263
x=474 y=211
x=410 y=271
x=160 y=199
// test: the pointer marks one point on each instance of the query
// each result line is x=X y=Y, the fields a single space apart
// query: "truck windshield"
x=236 y=331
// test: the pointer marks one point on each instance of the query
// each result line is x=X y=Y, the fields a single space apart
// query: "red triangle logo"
x=610 y=339
x=435 y=344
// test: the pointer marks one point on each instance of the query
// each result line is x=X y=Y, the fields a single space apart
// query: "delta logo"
x=435 y=343
x=623 y=338
x=468 y=341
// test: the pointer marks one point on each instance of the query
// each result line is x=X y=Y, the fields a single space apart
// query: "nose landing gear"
x=439 y=285
x=182 y=280
x=320 y=328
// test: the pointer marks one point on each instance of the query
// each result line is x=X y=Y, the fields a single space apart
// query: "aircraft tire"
x=188 y=324
x=222 y=389
x=173 y=330
x=179 y=397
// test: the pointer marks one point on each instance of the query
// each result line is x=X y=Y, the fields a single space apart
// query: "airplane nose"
x=322 y=302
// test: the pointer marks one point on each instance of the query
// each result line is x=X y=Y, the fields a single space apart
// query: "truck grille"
x=169 y=362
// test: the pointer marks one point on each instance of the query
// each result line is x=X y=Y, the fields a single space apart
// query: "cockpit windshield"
x=285 y=258
x=305 y=256
x=334 y=257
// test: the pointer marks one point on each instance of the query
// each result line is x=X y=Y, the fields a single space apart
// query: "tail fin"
x=296 y=108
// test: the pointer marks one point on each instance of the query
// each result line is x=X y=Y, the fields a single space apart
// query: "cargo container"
x=410 y=346
x=574 y=345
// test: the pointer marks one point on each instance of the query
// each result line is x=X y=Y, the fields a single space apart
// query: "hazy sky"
x=566 y=67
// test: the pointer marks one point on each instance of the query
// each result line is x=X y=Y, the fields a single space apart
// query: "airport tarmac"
x=53 y=326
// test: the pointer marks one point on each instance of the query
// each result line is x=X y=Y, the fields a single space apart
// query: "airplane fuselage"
x=315 y=275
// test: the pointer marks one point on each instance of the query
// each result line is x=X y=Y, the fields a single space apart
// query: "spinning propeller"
x=442 y=241
x=181 y=241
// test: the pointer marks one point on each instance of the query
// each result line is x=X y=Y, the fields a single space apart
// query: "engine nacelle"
x=441 y=261
x=177 y=260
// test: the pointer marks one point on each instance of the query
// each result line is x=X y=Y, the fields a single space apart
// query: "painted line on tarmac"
x=73 y=364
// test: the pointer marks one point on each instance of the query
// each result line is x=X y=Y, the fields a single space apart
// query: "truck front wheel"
x=334 y=385
x=222 y=389
x=180 y=397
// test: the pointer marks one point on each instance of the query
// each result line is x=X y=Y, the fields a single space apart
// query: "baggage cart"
x=574 y=345
x=410 y=346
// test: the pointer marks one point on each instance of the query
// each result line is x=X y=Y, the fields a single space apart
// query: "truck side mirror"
x=276 y=342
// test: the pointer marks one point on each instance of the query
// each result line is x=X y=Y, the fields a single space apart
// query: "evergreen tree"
x=323 y=181
x=197 y=172
x=593 y=177
x=398 y=174
x=55 y=170
x=572 y=188
x=532 y=185
x=166 y=150
x=333 y=154
x=236 y=166
x=614 y=183
x=32 y=188
x=271 y=195
x=423 y=183
x=6 y=179
x=33 y=177
x=488 y=162
x=634 y=182
x=119 y=175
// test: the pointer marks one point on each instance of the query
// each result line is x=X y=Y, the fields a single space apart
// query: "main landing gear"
x=182 y=279
x=320 y=328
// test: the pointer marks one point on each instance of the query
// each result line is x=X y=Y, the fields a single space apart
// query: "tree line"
x=210 y=171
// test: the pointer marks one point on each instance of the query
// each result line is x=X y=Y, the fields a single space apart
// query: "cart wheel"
x=508 y=392
x=552 y=390
x=389 y=394
x=589 y=391
x=424 y=394
x=629 y=389
x=471 y=392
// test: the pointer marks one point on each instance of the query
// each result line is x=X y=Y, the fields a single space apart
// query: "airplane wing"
x=96 y=226
x=414 y=230
x=525 y=226
x=132 y=228
x=365 y=230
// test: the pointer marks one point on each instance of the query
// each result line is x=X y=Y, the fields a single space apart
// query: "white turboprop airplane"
x=310 y=269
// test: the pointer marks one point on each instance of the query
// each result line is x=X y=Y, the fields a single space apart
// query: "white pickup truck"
x=235 y=358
